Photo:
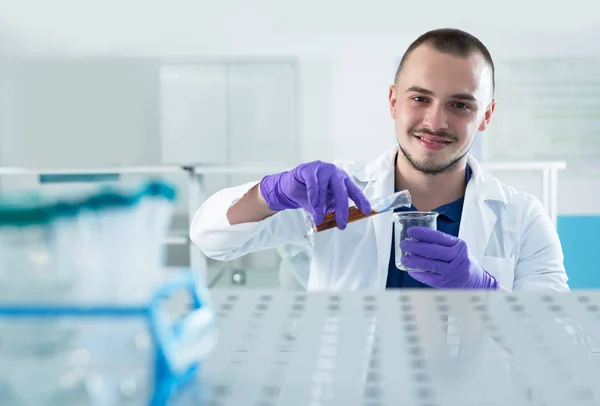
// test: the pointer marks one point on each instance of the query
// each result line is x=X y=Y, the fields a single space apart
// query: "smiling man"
x=489 y=236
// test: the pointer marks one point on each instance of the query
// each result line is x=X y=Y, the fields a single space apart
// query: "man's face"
x=439 y=103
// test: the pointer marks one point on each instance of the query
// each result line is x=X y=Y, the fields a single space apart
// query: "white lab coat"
x=507 y=231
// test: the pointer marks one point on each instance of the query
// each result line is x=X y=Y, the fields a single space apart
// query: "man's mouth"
x=432 y=139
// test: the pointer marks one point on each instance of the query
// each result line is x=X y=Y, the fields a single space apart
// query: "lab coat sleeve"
x=540 y=265
x=217 y=239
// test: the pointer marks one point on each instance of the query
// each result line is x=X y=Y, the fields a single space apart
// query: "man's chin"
x=431 y=163
x=431 y=166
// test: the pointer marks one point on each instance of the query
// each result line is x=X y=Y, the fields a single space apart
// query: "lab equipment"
x=163 y=370
x=94 y=253
x=89 y=246
x=403 y=221
x=447 y=348
x=447 y=260
x=380 y=205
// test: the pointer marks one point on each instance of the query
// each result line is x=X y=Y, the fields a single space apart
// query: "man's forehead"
x=445 y=73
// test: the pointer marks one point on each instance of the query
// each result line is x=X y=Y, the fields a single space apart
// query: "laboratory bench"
x=403 y=348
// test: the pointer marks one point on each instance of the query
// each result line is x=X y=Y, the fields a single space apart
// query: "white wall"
x=346 y=51
x=105 y=106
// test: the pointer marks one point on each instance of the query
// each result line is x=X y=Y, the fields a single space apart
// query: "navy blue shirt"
x=448 y=221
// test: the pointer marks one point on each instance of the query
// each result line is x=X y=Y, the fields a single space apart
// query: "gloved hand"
x=446 y=261
x=317 y=187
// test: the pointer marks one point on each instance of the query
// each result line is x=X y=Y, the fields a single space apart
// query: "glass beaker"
x=379 y=205
x=402 y=222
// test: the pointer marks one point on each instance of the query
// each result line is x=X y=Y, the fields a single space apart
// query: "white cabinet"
x=262 y=108
x=193 y=106
x=229 y=113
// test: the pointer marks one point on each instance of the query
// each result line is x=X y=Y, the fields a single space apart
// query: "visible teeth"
x=432 y=142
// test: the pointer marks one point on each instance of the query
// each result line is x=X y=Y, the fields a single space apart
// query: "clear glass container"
x=402 y=222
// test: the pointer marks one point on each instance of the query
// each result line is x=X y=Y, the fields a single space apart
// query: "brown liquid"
x=354 y=215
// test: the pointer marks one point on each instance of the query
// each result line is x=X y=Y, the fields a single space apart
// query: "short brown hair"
x=450 y=41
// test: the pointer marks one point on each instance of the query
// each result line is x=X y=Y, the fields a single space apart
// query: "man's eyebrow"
x=419 y=90
x=458 y=96
x=464 y=96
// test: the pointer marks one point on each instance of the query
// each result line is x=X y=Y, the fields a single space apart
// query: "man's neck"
x=429 y=192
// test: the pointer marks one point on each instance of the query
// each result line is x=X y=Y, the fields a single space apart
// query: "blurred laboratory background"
x=213 y=94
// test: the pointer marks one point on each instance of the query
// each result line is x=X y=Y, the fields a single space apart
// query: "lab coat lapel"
x=478 y=218
x=477 y=224
x=379 y=175
x=382 y=224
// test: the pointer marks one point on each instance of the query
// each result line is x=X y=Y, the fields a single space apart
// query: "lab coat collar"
x=378 y=168
x=486 y=185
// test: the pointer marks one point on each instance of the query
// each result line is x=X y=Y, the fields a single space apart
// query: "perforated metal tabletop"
x=422 y=348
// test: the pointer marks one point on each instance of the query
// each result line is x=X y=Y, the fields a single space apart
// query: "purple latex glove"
x=446 y=261
x=317 y=187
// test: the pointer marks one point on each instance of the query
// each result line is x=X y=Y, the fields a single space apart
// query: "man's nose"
x=436 y=118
